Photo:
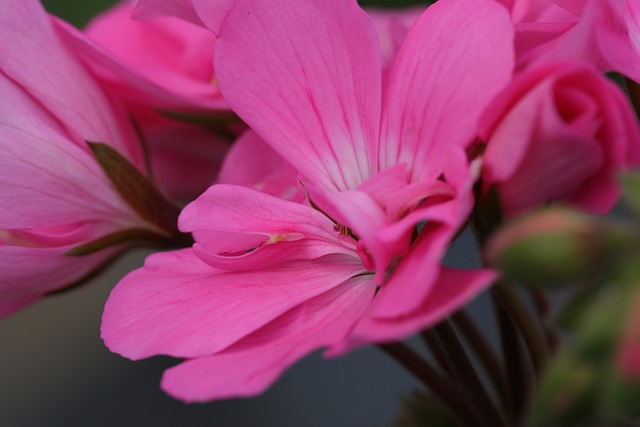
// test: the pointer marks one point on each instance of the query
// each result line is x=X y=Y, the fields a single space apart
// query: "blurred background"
x=56 y=372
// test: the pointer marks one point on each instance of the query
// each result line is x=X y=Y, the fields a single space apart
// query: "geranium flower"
x=388 y=185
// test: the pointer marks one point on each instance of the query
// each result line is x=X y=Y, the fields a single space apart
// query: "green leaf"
x=136 y=189
x=129 y=237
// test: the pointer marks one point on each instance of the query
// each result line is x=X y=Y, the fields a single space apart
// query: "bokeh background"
x=55 y=371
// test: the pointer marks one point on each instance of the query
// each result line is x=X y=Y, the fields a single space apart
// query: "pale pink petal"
x=252 y=365
x=252 y=163
x=46 y=180
x=309 y=85
x=392 y=26
x=35 y=58
x=155 y=309
x=432 y=101
x=454 y=288
x=28 y=273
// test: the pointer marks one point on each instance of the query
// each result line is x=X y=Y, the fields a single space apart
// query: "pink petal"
x=45 y=179
x=239 y=210
x=574 y=6
x=185 y=159
x=237 y=228
x=392 y=26
x=149 y=9
x=28 y=273
x=252 y=163
x=309 y=86
x=453 y=289
x=210 y=14
x=35 y=58
x=171 y=53
x=619 y=41
x=179 y=306
x=174 y=94
x=252 y=365
x=433 y=100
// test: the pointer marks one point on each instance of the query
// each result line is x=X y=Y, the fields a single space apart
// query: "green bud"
x=555 y=246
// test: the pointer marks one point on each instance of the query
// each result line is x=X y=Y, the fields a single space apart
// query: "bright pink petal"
x=433 y=100
x=252 y=163
x=239 y=210
x=454 y=288
x=252 y=365
x=179 y=306
x=237 y=228
x=35 y=58
x=309 y=86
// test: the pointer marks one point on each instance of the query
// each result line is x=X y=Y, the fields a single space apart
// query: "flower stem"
x=444 y=338
x=543 y=308
x=508 y=299
x=634 y=94
x=489 y=359
x=447 y=391
x=518 y=369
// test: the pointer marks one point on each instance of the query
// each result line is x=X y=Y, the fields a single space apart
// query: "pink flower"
x=270 y=280
x=604 y=33
x=53 y=193
x=559 y=133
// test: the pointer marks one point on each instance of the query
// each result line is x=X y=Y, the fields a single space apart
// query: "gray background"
x=55 y=370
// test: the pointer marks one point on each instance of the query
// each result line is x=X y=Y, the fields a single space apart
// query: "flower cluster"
x=327 y=155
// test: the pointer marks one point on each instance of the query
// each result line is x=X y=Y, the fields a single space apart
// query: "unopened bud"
x=555 y=246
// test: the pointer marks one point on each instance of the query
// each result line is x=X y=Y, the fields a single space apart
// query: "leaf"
x=136 y=189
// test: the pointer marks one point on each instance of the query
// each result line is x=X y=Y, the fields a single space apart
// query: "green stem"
x=447 y=391
x=518 y=369
x=482 y=349
x=543 y=308
x=465 y=374
x=509 y=300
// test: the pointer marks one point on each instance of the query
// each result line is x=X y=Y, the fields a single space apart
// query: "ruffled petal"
x=453 y=289
x=179 y=306
x=252 y=365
